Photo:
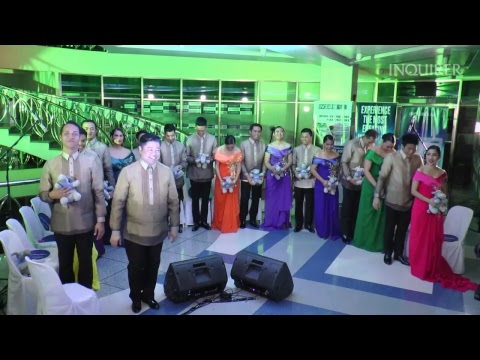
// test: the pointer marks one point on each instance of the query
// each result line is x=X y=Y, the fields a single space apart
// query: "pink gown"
x=426 y=238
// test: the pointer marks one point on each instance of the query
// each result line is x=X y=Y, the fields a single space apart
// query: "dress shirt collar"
x=66 y=156
x=145 y=165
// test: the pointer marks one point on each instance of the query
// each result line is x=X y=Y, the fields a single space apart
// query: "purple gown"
x=278 y=193
x=326 y=205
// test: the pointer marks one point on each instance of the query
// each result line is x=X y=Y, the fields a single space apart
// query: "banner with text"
x=427 y=122
x=376 y=116
x=333 y=118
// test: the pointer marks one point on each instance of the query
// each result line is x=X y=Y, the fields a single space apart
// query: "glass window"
x=161 y=89
x=447 y=92
x=200 y=90
x=117 y=87
x=470 y=92
x=236 y=119
x=278 y=91
x=308 y=91
x=305 y=120
x=366 y=91
x=81 y=86
x=129 y=106
x=277 y=114
x=238 y=91
x=166 y=112
x=385 y=92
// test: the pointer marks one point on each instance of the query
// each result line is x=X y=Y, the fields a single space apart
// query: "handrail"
x=19 y=182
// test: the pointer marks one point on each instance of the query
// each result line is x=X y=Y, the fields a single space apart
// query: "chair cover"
x=56 y=298
x=21 y=298
x=456 y=223
x=35 y=230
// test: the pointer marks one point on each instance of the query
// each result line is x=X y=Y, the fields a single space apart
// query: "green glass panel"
x=308 y=91
x=277 y=91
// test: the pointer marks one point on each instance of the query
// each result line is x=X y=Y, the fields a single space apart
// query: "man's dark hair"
x=148 y=137
x=71 y=122
x=83 y=132
x=253 y=125
x=201 y=121
x=409 y=138
x=169 y=128
x=307 y=130
x=371 y=133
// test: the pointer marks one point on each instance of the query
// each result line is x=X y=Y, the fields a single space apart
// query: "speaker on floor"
x=262 y=275
x=195 y=278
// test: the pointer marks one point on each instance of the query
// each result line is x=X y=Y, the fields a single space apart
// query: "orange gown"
x=226 y=207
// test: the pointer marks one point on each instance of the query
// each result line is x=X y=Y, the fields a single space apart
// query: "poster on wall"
x=333 y=118
x=377 y=116
x=429 y=123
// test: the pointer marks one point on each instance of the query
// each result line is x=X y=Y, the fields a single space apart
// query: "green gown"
x=370 y=222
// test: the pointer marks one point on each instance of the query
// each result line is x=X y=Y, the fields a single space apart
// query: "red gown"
x=226 y=207
x=426 y=238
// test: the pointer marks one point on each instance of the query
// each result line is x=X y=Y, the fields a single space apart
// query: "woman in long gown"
x=426 y=230
x=278 y=192
x=226 y=205
x=326 y=163
x=370 y=224
x=121 y=157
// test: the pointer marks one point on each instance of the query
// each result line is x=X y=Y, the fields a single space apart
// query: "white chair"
x=39 y=237
x=17 y=228
x=55 y=298
x=21 y=295
x=43 y=211
x=456 y=223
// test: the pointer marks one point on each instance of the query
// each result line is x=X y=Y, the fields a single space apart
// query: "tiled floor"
x=329 y=278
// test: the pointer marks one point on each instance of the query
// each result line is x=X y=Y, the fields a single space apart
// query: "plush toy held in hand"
x=441 y=203
x=227 y=185
x=331 y=185
x=107 y=190
x=303 y=171
x=177 y=172
x=358 y=174
x=278 y=168
x=68 y=181
x=257 y=176
x=202 y=160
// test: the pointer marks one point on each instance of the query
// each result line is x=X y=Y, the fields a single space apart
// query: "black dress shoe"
x=180 y=229
x=205 y=226
x=477 y=294
x=477 y=250
x=242 y=225
x=195 y=227
x=346 y=239
x=310 y=229
x=136 y=306
x=387 y=259
x=297 y=229
x=152 y=304
x=254 y=224
x=402 y=259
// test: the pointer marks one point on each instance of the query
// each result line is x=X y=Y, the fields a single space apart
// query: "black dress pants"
x=143 y=265
x=302 y=195
x=200 y=190
x=66 y=248
x=396 y=226
x=247 y=191
x=351 y=200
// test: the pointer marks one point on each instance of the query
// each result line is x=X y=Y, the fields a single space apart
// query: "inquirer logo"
x=422 y=70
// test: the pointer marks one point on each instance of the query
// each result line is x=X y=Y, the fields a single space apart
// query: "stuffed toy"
x=67 y=181
x=278 y=168
x=303 y=171
x=257 y=176
x=202 y=160
x=227 y=184
x=331 y=185
x=177 y=172
x=441 y=203
x=22 y=264
x=107 y=189
x=358 y=175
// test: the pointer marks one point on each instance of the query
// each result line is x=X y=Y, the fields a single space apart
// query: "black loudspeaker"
x=262 y=275
x=195 y=278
